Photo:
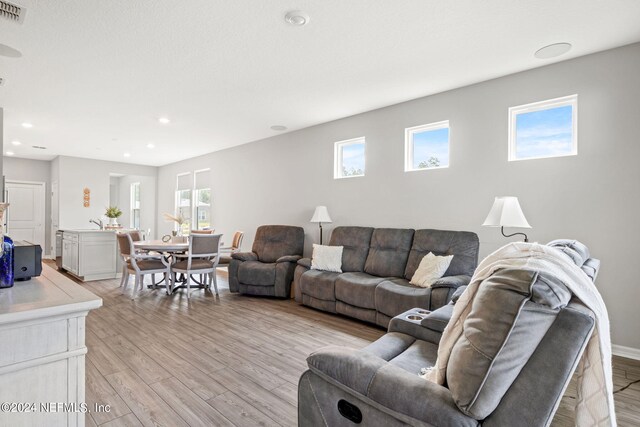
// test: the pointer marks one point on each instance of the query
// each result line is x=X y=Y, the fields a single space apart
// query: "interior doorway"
x=25 y=216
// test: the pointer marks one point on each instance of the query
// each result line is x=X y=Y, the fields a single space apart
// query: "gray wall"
x=36 y=171
x=592 y=197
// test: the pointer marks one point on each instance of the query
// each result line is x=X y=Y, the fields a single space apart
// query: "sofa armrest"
x=451 y=281
x=388 y=385
x=245 y=256
x=410 y=323
x=438 y=319
x=288 y=258
x=305 y=262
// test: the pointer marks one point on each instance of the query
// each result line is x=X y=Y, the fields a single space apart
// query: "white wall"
x=147 y=201
x=77 y=173
x=592 y=197
x=35 y=171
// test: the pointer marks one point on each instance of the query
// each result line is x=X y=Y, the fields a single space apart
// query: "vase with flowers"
x=113 y=213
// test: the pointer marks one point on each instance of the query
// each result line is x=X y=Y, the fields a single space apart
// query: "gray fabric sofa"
x=268 y=269
x=377 y=265
x=380 y=386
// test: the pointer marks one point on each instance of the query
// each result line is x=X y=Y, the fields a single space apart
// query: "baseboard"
x=628 y=352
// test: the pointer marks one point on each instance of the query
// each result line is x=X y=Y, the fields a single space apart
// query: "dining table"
x=168 y=249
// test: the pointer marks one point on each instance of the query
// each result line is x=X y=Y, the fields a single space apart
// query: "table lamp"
x=321 y=215
x=506 y=212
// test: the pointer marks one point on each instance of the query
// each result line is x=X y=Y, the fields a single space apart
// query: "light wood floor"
x=229 y=360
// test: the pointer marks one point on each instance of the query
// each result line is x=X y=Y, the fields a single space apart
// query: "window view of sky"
x=431 y=148
x=353 y=159
x=544 y=133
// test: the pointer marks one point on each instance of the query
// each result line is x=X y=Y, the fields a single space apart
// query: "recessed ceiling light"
x=16 y=142
x=150 y=145
x=164 y=120
x=297 y=18
x=279 y=128
x=27 y=125
x=552 y=50
x=9 y=52
x=127 y=154
x=10 y=153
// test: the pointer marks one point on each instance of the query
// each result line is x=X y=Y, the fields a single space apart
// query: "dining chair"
x=140 y=263
x=236 y=244
x=202 y=258
x=210 y=231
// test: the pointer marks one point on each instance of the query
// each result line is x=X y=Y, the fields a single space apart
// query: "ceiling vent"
x=12 y=12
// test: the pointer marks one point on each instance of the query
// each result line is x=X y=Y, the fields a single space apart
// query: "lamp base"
x=526 y=239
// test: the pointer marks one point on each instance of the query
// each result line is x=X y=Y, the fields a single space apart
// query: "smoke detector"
x=12 y=12
x=297 y=18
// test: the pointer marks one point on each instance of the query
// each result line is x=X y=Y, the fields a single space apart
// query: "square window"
x=426 y=147
x=544 y=129
x=349 y=158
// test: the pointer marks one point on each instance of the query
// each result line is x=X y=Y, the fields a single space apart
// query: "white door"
x=25 y=215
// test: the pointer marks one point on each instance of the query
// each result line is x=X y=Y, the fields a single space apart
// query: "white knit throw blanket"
x=594 y=403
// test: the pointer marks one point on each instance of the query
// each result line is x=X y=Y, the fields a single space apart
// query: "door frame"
x=41 y=215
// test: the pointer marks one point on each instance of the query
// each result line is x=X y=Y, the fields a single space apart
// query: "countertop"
x=47 y=295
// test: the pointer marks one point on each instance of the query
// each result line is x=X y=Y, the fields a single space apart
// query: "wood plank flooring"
x=230 y=360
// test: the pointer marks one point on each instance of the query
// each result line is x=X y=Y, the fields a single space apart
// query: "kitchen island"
x=42 y=366
x=90 y=254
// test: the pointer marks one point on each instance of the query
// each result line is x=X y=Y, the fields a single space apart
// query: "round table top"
x=160 y=246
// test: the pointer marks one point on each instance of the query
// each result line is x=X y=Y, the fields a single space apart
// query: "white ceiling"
x=95 y=76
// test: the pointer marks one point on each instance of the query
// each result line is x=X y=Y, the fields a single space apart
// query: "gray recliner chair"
x=513 y=372
x=268 y=269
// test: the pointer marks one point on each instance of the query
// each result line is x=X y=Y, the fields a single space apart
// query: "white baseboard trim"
x=628 y=352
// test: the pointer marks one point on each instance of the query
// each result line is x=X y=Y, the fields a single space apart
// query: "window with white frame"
x=349 y=158
x=135 y=205
x=202 y=199
x=183 y=201
x=544 y=129
x=426 y=146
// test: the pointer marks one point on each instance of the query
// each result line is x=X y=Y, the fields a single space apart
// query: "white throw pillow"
x=431 y=268
x=327 y=258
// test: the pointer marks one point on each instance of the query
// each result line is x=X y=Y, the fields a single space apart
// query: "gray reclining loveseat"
x=377 y=265
x=516 y=377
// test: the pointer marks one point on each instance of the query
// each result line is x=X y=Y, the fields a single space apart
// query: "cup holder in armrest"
x=423 y=312
x=415 y=317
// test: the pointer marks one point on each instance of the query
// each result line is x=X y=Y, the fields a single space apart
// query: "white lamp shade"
x=506 y=212
x=321 y=215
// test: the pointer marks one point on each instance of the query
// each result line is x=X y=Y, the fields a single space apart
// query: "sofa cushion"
x=275 y=241
x=398 y=295
x=420 y=354
x=319 y=284
x=327 y=258
x=511 y=313
x=356 y=242
x=388 y=252
x=257 y=273
x=432 y=267
x=463 y=245
x=357 y=289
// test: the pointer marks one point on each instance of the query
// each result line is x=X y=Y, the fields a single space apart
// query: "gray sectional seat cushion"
x=355 y=242
x=374 y=285
x=388 y=252
x=257 y=273
x=511 y=314
x=357 y=289
x=398 y=295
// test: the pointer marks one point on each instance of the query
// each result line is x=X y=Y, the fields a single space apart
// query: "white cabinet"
x=42 y=330
x=90 y=255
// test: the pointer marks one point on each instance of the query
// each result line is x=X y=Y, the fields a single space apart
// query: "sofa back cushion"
x=356 y=241
x=388 y=252
x=463 y=245
x=511 y=313
x=275 y=241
